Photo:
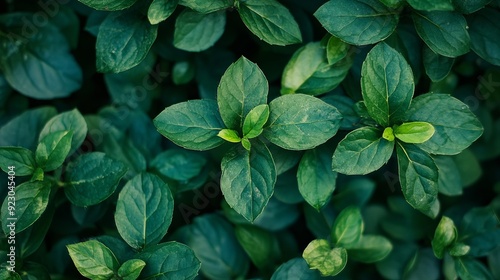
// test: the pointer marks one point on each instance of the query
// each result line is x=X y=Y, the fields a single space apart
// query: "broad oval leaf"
x=196 y=32
x=386 y=84
x=296 y=268
x=206 y=6
x=358 y=22
x=484 y=40
x=20 y=158
x=362 y=151
x=179 y=164
x=370 y=249
x=30 y=201
x=259 y=244
x=418 y=175
x=436 y=66
x=444 y=236
x=470 y=6
x=93 y=259
x=444 y=32
x=348 y=227
x=53 y=150
x=471 y=269
x=456 y=126
x=414 y=132
x=160 y=10
x=123 y=41
x=192 y=124
x=319 y=255
x=108 y=5
x=450 y=181
x=242 y=88
x=301 y=122
x=144 y=210
x=249 y=174
x=270 y=21
x=431 y=5
x=131 y=269
x=92 y=178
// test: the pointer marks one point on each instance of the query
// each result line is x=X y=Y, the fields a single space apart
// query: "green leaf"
x=207 y=6
x=39 y=63
x=348 y=227
x=387 y=84
x=92 y=177
x=456 y=126
x=179 y=164
x=471 y=269
x=468 y=166
x=242 y=88
x=328 y=261
x=229 y=135
x=358 y=22
x=144 y=210
x=29 y=240
x=131 y=269
x=259 y=244
x=370 y=249
x=459 y=250
x=310 y=72
x=30 y=201
x=449 y=181
x=301 y=122
x=70 y=120
x=255 y=121
x=93 y=259
x=315 y=177
x=431 y=5
x=21 y=159
x=444 y=32
x=53 y=150
x=196 y=32
x=418 y=175
x=422 y=265
x=160 y=10
x=392 y=3
x=123 y=41
x=246 y=144
x=362 y=151
x=192 y=124
x=250 y=174
x=270 y=21
x=444 y=236
x=388 y=134
x=108 y=5
x=483 y=40
x=169 y=260
x=183 y=72
x=295 y=268
x=336 y=50
x=469 y=6
x=414 y=132
x=437 y=67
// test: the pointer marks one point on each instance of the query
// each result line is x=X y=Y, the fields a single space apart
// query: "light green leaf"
x=53 y=150
x=192 y=124
x=459 y=250
x=144 y=210
x=301 y=122
x=483 y=40
x=160 y=10
x=358 y=22
x=431 y=5
x=370 y=249
x=444 y=32
x=315 y=177
x=229 y=135
x=93 y=259
x=449 y=181
x=70 y=120
x=414 y=132
x=108 y=5
x=418 y=175
x=436 y=66
x=471 y=269
x=20 y=158
x=92 y=177
x=255 y=121
x=259 y=244
x=295 y=268
x=179 y=164
x=196 y=32
x=456 y=126
x=250 y=174
x=207 y=6
x=246 y=144
x=348 y=227
x=328 y=261
x=469 y=6
x=444 y=236
x=270 y=21
x=30 y=201
x=388 y=134
x=336 y=50
x=123 y=41
x=362 y=151
x=310 y=72
x=242 y=88
x=386 y=84
x=131 y=269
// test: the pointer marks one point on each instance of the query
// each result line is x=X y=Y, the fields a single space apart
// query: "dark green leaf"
x=370 y=249
x=93 y=259
x=345 y=105
x=301 y=122
x=449 y=176
x=423 y=265
x=131 y=269
x=207 y=6
x=19 y=160
x=483 y=40
x=348 y=227
x=108 y=5
x=250 y=174
x=92 y=178
x=53 y=149
x=270 y=21
x=362 y=151
x=355 y=192
x=444 y=236
x=387 y=84
x=259 y=244
x=358 y=22
x=437 y=67
x=392 y=267
x=180 y=165
x=160 y=10
x=469 y=6
x=471 y=269
x=29 y=240
x=431 y=5
x=196 y=32
x=297 y=269
x=328 y=261
x=468 y=166
x=183 y=72
x=193 y=124
x=255 y=121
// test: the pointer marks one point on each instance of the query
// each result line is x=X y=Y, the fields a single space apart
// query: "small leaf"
x=431 y=5
x=93 y=259
x=255 y=121
x=183 y=72
x=196 y=32
x=131 y=269
x=483 y=40
x=437 y=67
x=192 y=124
x=53 y=150
x=301 y=122
x=444 y=236
x=348 y=227
x=229 y=135
x=179 y=164
x=414 y=132
x=362 y=151
x=206 y=6
x=160 y=10
x=388 y=134
x=370 y=249
x=336 y=50
x=328 y=261
x=459 y=250
x=246 y=144
x=20 y=158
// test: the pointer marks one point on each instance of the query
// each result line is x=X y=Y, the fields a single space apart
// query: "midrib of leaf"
x=267 y=20
x=92 y=180
x=30 y=203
